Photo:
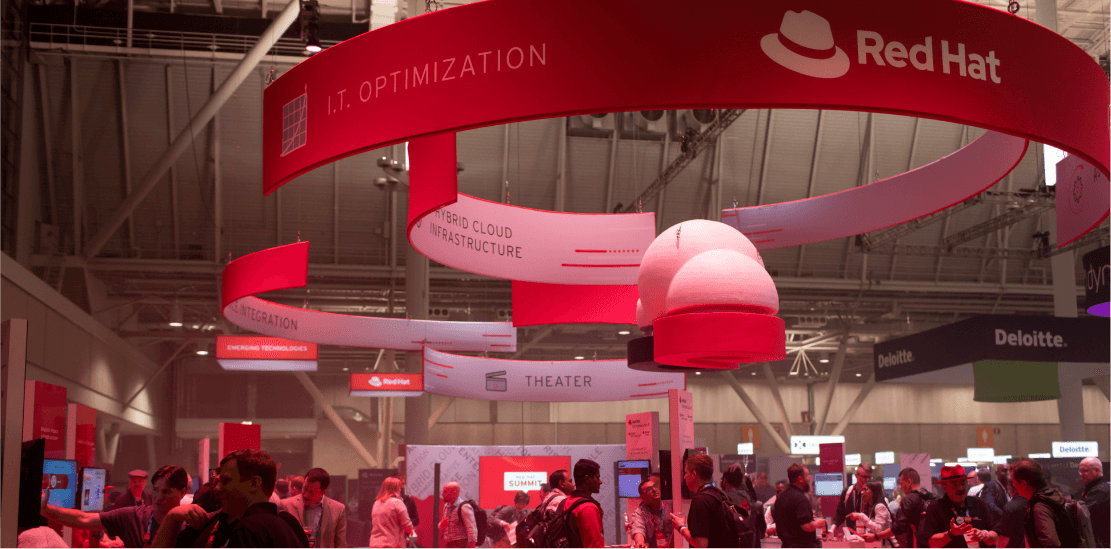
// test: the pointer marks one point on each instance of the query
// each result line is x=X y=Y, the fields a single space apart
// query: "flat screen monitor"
x=829 y=484
x=665 y=475
x=501 y=477
x=629 y=476
x=60 y=475
x=92 y=489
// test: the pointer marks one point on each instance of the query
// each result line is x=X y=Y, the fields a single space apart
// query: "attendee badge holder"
x=969 y=539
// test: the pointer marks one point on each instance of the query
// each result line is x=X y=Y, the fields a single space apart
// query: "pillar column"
x=1070 y=407
x=416 y=308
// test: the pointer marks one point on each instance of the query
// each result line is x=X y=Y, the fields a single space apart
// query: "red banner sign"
x=44 y=416
x=536 y=304
x=82 y=421
x=942 y=59
x=375 y=384
x=238 y=436
x=258 y=347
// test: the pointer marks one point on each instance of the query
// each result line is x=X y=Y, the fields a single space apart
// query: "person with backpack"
x=585 y=512
x=561 y=485
x=533 y=531
x=742 y=494
x=1047 y=522
x=711 y=522
x=1096 y=497
x=458 y=527
x=908 y=519
x=650 y=524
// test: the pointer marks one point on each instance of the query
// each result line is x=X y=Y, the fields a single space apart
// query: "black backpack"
x=479 y=518
x=736 y=518
x=533 y=529
x=561 y=529
x=1080 y=519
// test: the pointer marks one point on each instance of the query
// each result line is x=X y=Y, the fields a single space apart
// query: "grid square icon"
x=294 y=124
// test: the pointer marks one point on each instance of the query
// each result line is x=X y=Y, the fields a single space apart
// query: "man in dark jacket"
x=246 y=517
x=994 y=493
x=1047 y=525
x=908 y=519
x=505 y=516
x=948 y=520
x=1096 y=498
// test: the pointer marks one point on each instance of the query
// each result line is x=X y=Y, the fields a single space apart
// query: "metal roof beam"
x=700 y=143
x=196 y=125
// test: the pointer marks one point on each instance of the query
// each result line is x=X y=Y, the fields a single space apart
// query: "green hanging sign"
x=1015 y=381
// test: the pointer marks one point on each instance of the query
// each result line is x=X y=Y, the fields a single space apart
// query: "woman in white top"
x=878 y=517
x=389 y=517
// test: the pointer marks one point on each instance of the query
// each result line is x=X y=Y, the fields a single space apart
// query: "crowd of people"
x=244 y=504
x=1018 y=508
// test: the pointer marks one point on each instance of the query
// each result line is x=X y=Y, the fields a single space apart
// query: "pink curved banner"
x=287 y=266
x=542 y=381
x=499 y=61
x=933 y=187
x=504 y=241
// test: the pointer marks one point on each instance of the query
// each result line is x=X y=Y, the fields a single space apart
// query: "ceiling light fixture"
x=310 y=20
x=175 y=316
x=579 y=358
x=623 y=333
x=858 y=374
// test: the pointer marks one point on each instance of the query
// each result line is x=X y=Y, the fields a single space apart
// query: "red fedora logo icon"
x=805 y=45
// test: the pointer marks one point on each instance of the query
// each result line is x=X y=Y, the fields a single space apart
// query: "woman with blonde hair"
x=389 y=518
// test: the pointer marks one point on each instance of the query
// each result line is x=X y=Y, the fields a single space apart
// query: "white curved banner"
x=897 y=199
x=542 y=381
x=516 y=243
x=272 y=319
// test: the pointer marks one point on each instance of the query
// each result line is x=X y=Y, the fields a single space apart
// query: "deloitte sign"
x=1075 y=449
x=1005 y=338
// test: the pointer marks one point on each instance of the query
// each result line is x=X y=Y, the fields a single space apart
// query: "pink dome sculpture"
x=722 y=280
x=677 y=245
x=710 y=302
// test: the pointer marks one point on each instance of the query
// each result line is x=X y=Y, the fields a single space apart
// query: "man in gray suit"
x=324 y=519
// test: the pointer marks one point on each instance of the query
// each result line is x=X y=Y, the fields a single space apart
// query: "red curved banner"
x=501 y=61
x=536 y=304
x=287 y=267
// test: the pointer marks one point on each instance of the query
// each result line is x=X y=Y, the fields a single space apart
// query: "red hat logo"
x=805 y=45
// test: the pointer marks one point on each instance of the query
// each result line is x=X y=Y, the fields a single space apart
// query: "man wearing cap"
x=948 y=520
x=135 y=496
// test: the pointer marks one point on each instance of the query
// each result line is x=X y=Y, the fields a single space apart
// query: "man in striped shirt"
x=457 y=525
